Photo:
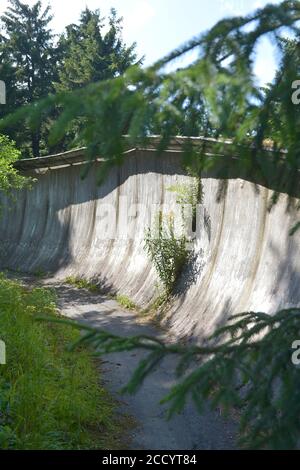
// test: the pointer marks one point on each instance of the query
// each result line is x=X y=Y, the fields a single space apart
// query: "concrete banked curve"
x=245 y=259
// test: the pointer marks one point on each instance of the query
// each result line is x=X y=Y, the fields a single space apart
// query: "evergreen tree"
x=28 y=58
x=89 y=55
x=33 y=66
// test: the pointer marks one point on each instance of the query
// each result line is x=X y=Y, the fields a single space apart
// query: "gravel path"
x=186 y=431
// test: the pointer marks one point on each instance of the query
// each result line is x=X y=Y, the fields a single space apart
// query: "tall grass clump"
x=81 y=283
x=50 y=398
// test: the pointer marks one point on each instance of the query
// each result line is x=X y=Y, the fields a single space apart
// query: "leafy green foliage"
x=189 y=194
x=50 y=398
x=168 y=252
x=10 y=179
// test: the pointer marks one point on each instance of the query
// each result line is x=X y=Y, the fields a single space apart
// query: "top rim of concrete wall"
x=78 y=156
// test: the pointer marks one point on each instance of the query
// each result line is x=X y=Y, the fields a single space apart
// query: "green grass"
x=125 y=302
x=50 y=398
x=81 y=283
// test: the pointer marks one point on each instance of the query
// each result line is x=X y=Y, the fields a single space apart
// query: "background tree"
x=34 y=65
x=91 y=51
x=88 y=54
x=29 y=62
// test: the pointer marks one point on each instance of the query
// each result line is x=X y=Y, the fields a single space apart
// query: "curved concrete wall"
x=245 y=259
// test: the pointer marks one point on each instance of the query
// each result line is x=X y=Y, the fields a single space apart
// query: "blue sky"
x=158 y=26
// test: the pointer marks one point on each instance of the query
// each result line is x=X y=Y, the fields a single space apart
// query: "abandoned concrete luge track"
x=245 y=257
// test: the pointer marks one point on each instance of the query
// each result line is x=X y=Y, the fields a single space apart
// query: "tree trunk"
x=35 y=143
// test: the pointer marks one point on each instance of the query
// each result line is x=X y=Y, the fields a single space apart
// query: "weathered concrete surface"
x=245 y=257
